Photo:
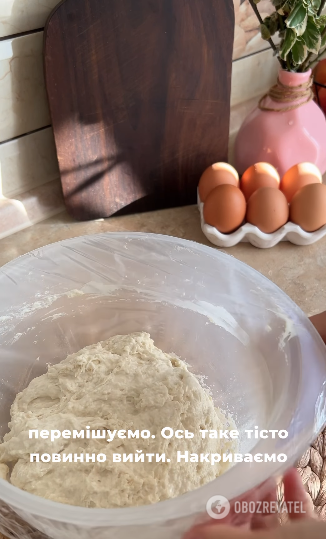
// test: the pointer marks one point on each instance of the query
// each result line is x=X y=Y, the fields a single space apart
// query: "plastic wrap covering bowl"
x=260 y=356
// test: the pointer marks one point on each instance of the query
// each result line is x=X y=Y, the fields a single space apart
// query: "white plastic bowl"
x=263 y=360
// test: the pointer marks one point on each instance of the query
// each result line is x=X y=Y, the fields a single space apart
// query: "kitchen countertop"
x=299 y=271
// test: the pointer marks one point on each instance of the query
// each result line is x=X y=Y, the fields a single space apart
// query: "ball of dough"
x=4 y=472
x=124 y=383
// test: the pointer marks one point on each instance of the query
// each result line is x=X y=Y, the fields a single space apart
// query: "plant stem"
x=321 y=7
x=317 y=57
x=288 y=63
x=280 y=18
x=270 y=41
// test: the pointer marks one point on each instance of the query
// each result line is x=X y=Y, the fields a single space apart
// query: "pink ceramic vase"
x=283 y=139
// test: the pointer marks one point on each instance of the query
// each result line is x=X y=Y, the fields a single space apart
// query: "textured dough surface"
x=122 y=383
x=4 y=472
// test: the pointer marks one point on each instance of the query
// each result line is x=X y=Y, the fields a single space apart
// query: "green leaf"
x=297 y=16
x=272 y=24
x=301 y=28
x=320 y=21
x=284 y=9
x=311 y=36
x=265 y=33
x=299 y=52
x=315 y=4
x=323 y=42
x=316 y=48
x=289 y=40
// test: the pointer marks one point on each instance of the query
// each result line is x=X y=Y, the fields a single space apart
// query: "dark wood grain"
x=139 y=94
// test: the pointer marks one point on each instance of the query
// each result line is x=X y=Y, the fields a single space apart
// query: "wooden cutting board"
x=139 y=94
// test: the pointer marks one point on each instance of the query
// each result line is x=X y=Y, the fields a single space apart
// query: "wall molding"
x=30 y=208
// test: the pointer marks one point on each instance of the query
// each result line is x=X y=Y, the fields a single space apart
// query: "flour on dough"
x=124 y=383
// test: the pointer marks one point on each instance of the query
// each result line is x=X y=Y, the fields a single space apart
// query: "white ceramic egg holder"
x=251 y=234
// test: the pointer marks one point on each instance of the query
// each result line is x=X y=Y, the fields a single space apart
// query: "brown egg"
x=299 y=176
x=215 y=175
x=267 y=209
x=225 y=208
x=257 y=176
x=308 y=207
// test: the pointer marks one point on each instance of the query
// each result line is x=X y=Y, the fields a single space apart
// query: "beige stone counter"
x=299 y=271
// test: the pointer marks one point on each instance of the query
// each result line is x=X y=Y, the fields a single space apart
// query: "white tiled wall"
x=27 y=158
x=247 y=38
x=28 y=162
x=17 y=16
x=23 y=103
x=252 y=76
